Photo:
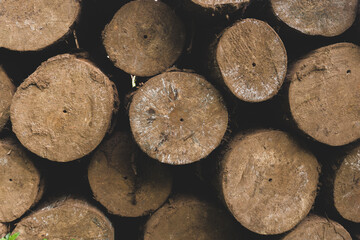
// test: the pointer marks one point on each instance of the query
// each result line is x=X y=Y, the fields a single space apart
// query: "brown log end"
x=144 y=38
x=3 y=230
x=268 y=181
x=324 y=94
x=322 y=17
x=35 y=24
x=66 y=219
x=347 y=187
x=7 y=90
x=64 y=109
x=314 y=227
x=178 y=118
x=19 y=181
x=221 y=3
x=190 y=218
x=252 y=60
x=125 y=181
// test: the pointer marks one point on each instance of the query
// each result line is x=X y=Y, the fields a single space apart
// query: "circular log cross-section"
x=315 y=227
x=125 y=181
x=215 y=4
x=35 y=24
x=144 y=38
x=67 y=219
x=268 y=181
x=178 y=118
x=324 y=94
x=252 y=60
x=191 y=219
x=7 y=90
x=64 y=109
x=317 y=17
x=347 y=187
x=19 y=181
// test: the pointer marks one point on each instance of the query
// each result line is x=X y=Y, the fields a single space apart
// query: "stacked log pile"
x=180 y=119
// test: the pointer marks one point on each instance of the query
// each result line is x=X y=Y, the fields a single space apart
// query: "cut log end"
x=221 y=3
x=35 y=24
x=144 y=38
x=252 y=60
x=178 y=118
x=66 y=219
x=19 y=181
x=189 y=218
x=268 y=181
x=64 y=109
x=3 y=230
x=7 y=90
x=312 y=227
x=322 y=17
x=347 y=187
x=125 y=181
x=324 y=94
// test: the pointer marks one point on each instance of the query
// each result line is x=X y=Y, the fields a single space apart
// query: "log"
x=63 y=110
x=66 y=219
x=222 y=4
x=19 y=181
x=268 y=181
x=3 y=230
x=35 y=24
x=322 y=17
x=346 y=191
x=125 y=181
x=324 y=94
x=7 y=90
x=144 y=38
x=251 y=60
x=314 y=227
x=178 y=118
x=190 y=218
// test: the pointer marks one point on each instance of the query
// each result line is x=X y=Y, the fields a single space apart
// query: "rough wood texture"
x=315 y=228
x=324 y=94
x=126 y=181
x=252 y=60
x=19 y=181
x=347 y=186
x=66 y=219
x=3 y=230
x=216 y=4
x=144 y=38
x=321 y=17
x=191 y=219
x=7 y=90
x=35 y=24
x=268 y=181
x=178 y=117
x=64 y=109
